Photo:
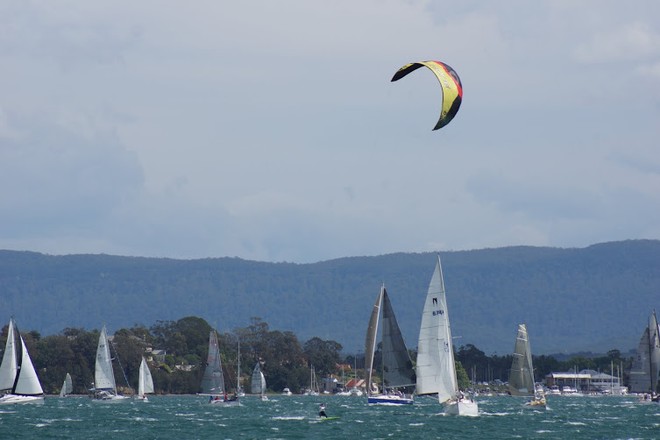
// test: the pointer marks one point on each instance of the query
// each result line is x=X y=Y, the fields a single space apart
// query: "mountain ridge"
x=594 y=298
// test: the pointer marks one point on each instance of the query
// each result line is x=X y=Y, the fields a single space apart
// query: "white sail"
x=258 y=385
x=67 y=386
x=145 y=380
x=104 y=378
x=521 y=378
x=25 y=386
x=27 y=383
x=436 y=372
x=213 y=381
x=9 y=366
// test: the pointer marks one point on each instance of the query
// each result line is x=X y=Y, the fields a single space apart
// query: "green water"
x=295 y=417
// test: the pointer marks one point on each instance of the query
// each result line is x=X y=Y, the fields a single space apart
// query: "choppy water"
x=295 y=417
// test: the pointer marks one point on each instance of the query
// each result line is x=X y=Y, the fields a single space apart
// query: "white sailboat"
x=645 y=372
x=17 y=374
x=436 y=371
x=145 y=381
x=313 y=389
x=67 y=386
x=398 y=371
x=105 y=387
x=259 y=382
x=521 y=377
x=213 y=381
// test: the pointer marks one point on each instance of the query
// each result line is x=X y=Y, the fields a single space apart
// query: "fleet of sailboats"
x=398 y=374
x=17 y=374
x=434 y=374
x=436 y=371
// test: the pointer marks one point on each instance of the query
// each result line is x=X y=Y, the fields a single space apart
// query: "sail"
x=370 y=341
x=213 y=381
x=654 y=350
x=145 y=381
x=646 y=365
x=67 y=386
x=9 y=366
x=104 y=378
x=397 y=365
x=436 y=372
x=27 y=382
x=521 y=378
x=258 y=380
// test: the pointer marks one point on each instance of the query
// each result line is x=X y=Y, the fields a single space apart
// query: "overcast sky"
x=270 y=130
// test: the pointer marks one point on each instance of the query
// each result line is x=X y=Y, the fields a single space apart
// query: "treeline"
x=185 y=343
x=285 y=360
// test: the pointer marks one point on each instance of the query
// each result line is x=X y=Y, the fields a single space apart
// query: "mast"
x=370 y=342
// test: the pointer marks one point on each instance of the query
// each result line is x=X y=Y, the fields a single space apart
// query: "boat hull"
x=386 y=399
x=108 y=397
x=468 y=408
x=11 y=399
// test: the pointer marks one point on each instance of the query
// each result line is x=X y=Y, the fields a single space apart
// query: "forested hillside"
x=591 y=299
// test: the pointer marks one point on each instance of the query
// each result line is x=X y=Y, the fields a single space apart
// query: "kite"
x=452 y=89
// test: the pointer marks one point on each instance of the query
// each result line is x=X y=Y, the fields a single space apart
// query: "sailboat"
x=145 y=381
x=67 y=386
x=213 y=381
x=436 y=371
x=521 y=378
x=105 y=386
x=398 y=371
x=17 y=373
x=644 y=375
x=313 y=389
x=259 y=382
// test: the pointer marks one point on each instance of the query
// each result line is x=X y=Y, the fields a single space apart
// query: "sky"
x=270 y=130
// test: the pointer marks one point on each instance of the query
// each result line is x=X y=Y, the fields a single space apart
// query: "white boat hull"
x=107 y=397
x=388 y=399
x=11 y=399
x=464 y=407
x=221 y=402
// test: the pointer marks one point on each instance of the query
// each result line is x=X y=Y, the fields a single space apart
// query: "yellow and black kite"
x=452 y=89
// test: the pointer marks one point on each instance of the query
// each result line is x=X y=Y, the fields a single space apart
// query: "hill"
x=587 y=299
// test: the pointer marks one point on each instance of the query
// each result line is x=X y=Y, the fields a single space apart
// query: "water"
x=295 y=417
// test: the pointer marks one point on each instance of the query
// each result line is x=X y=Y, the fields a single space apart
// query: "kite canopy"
x=452 y=89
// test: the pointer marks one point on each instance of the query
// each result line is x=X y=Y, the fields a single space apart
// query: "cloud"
x=630 y=42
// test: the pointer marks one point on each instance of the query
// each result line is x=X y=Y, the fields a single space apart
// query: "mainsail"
x=521 y=378
x=9 y=365
x=436 y=372
x=370 y=340
x=104 y=378
x=646 y=365
x=397 y=366
x=213 y=381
